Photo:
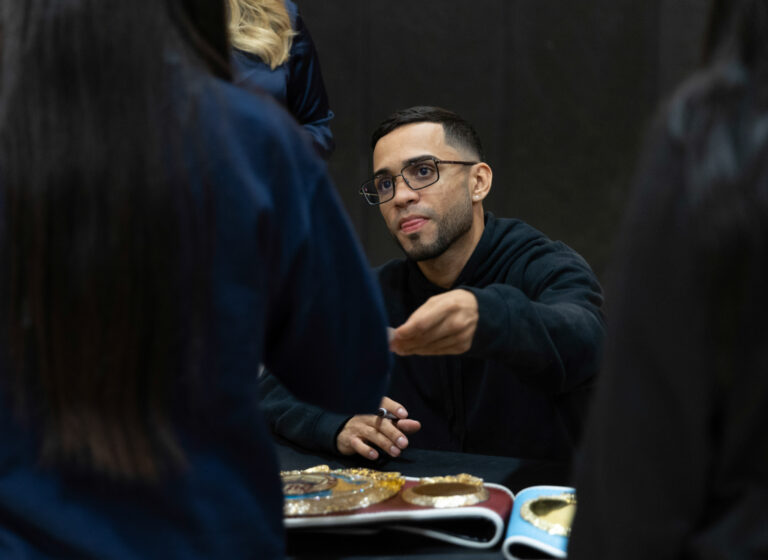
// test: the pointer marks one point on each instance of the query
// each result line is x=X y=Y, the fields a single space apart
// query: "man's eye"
x=384 y=183
x=425 y=170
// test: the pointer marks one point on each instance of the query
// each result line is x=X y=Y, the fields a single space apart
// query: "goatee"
x=456 y=223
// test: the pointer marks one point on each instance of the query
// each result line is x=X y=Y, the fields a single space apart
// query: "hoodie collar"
x=482 y=250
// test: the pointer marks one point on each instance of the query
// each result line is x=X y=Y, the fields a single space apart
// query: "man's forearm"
x=562 y=337
x=304 y=424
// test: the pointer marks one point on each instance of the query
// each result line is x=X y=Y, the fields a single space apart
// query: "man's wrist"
x=328 y=428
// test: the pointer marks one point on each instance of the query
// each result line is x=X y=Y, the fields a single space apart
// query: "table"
x=513 y=473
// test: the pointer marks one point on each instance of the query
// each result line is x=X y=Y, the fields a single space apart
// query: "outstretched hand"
x=445 y=324
x=388 y=435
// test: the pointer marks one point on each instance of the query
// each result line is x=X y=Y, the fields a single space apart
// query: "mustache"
x=414 y=211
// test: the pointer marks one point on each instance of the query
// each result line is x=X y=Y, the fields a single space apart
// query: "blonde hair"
x=262 y=28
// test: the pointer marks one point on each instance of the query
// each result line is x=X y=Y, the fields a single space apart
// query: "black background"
x=561 y=92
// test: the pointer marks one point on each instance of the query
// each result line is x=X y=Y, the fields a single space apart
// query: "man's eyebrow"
x=420 y=158
x=416 y=159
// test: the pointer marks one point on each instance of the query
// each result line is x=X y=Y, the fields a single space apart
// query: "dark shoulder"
x=515 y=249
x=510 y=234
x=392 y=274
x=512 y=229
x=392 y=269
x=253 y=130
x=244 y=63
x=293 y=12
x=249 y=114
x=303 y=44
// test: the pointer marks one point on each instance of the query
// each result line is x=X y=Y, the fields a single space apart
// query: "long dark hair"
x=734 y=29
x=719 y=115
x=95 y=222
x=719 y=121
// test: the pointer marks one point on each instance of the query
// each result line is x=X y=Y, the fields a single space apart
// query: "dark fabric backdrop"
x=560 y=91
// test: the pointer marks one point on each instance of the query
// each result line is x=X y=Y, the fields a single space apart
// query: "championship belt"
x=459 y=509
x=320 y=490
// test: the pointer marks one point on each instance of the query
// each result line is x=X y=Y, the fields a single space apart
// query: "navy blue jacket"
x=297 y=84
x=522 y=388
x=291 y=290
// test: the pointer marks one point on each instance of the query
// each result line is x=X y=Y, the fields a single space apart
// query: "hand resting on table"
x=364 y=429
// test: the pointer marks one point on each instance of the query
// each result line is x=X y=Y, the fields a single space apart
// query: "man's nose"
x=403 y=193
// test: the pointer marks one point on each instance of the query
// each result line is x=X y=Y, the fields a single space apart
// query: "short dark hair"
x=458 y=132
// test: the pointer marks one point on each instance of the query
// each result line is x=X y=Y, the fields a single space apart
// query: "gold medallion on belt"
x=320 y=490
x=553 y=514
x=447 y=491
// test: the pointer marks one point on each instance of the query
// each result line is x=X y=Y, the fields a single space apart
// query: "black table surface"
x=513 y=473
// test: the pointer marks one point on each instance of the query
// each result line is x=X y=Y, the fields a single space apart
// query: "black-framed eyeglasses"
x=417 y=175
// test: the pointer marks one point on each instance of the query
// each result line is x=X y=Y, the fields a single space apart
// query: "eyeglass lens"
x=418 y=175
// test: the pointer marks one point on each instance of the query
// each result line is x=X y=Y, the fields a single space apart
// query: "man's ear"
x=480 y=181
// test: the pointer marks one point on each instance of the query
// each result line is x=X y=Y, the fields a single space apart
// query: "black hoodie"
x=521 y=390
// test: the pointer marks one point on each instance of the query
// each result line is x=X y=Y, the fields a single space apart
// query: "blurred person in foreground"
x=274 y=52
x=159 y=240
x=675 y=461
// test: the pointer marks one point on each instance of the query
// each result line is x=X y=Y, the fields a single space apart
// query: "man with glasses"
x=496 y=328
